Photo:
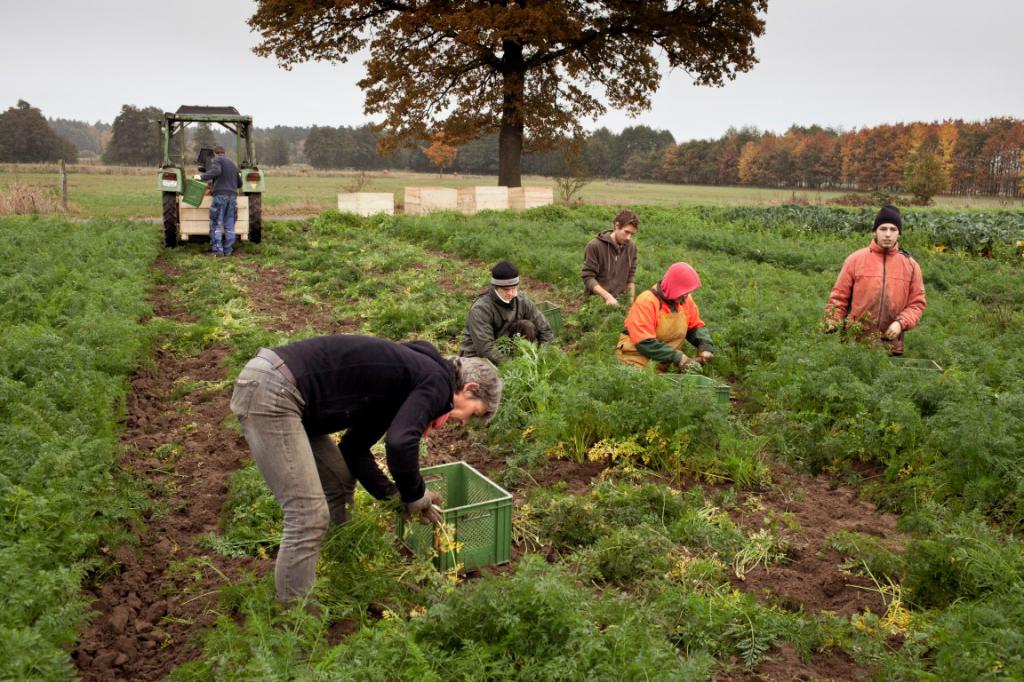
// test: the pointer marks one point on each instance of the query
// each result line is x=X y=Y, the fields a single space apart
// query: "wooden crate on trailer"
x=522 y=198
x=366 y=203
x=195 y=221
x=423 y=200
x=473 y=199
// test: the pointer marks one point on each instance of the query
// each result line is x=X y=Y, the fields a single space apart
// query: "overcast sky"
x=831 y=62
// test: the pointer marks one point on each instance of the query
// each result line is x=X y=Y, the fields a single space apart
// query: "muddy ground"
x=177 y=440
x=151 y=614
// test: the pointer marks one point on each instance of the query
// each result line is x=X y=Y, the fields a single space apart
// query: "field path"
x=166 y=589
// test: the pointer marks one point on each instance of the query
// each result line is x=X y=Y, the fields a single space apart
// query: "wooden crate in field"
x=196 y=221
x=367 y=203
x=422 y=200
x=473 y=199
x=522 y=198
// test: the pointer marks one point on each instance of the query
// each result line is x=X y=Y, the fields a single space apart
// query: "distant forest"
x=956 y=157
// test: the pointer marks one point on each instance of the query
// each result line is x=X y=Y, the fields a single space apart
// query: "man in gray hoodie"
x=609 y=261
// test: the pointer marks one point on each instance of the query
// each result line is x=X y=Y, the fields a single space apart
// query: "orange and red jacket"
x=668 y=323
x=878 y=287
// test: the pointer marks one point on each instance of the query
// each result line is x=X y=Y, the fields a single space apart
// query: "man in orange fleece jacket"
x=879 y=288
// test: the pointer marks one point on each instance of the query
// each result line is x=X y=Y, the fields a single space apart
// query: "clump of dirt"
x=149 y=612
x=174 y=437
x=267 y=286
x=785 y=666
x=813 y=579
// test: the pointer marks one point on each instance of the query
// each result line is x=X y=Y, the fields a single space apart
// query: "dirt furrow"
x=165 y=591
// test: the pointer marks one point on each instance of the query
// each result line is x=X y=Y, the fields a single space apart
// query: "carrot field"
x=842 y=517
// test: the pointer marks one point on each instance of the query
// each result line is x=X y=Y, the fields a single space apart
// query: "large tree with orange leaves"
x=527 y=69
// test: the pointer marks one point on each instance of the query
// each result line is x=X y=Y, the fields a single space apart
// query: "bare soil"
x=267 y=295
x=151 y=614
x=812 y=579
x=785 y=666
x=164 y=593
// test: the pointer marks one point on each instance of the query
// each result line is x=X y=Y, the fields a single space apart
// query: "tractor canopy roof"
x=190 y=112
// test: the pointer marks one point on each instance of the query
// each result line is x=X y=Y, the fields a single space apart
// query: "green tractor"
x=182 y=221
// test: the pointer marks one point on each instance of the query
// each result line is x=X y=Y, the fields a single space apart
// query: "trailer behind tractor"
x=181 y=221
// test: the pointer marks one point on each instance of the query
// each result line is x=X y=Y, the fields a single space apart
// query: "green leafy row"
x=71 y=300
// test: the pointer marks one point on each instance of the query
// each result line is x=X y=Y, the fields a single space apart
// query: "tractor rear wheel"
x=170 y=219
x=255 y=217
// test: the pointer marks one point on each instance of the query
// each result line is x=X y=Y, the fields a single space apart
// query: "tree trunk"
x=510 y=137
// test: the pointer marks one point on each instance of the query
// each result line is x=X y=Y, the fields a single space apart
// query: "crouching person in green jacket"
x=502 y=311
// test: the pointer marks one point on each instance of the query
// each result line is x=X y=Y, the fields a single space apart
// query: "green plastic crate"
x=918 y=364
x=723 y=393
x=194 y=191
x=553 y=314
x=477 y=514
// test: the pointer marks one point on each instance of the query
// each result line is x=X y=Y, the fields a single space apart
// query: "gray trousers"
x=307 y=474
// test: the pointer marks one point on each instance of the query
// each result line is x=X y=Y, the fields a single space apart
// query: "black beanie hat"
x=504 y=274
x=888 y=214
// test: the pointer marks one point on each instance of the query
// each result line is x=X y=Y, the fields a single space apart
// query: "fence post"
x=64 y=185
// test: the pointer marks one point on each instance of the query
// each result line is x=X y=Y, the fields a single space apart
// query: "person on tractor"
x=879 y=293
x=290 y=399
x=660 y=319
x=224 y=205
x=502 y=310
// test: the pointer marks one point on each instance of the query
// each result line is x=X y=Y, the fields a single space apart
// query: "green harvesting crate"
x=477 y=515
x=553 y=314
x=194 y=191
x=722 y=391
x=919 y=364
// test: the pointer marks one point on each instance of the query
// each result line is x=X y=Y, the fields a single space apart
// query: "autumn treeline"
x=974 y=158
x=923 y=159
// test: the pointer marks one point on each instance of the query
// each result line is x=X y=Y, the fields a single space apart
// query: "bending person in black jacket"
x=290 y=399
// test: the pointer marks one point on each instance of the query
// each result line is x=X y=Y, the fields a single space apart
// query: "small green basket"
x=194 y=191
x=477 y=515
x=723 y=393
x=553 y=314
x=916 y=364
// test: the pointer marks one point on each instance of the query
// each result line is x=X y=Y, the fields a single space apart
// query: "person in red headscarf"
x=660 y=319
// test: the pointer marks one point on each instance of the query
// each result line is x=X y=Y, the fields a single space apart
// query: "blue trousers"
x=223 y=212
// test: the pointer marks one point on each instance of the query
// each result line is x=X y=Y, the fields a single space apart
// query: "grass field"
x=842 y=517
x=133 y=195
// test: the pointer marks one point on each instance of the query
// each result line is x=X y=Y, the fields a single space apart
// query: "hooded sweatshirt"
x=224 y=174
x=608 y=264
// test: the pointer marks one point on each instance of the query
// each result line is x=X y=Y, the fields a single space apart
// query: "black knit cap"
x=888 y=214
x=504 y=274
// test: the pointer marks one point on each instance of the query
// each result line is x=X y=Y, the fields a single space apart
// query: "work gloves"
x=428 y=508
